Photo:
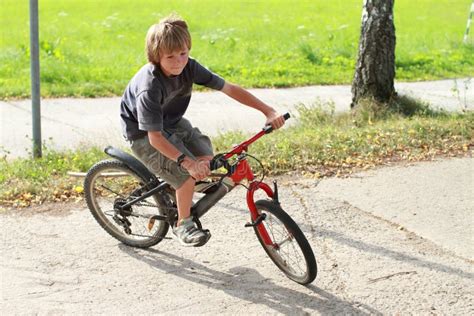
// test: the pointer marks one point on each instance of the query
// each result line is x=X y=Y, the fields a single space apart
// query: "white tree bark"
x=375 y=68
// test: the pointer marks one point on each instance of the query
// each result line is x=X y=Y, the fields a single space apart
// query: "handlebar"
x=220 y=160
x=268 y=128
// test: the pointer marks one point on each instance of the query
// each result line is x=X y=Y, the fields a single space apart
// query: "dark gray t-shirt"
x=152 y=101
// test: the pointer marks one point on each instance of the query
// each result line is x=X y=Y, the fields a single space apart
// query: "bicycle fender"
x=132 y=162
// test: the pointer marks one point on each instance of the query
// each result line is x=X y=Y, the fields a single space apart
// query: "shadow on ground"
x=253 y=287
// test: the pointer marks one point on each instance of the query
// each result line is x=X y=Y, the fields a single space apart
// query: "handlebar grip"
x=269 y=128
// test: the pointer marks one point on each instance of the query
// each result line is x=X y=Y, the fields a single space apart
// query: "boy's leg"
x=191 y=142
x=169 y=171
x=196 y=142
x=187 y=233
x=184 y=194
x=184 y=199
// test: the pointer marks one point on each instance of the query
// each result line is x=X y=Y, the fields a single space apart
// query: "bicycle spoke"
x=108 y=189
x=270 y=223
x=295 y=262
x=285 y=247
x=290 y=263
x=284 y=241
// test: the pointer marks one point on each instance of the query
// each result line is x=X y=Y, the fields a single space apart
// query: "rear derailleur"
x=121 y=214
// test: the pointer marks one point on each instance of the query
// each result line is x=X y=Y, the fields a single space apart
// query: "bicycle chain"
x=146 y=204
x=170 y=208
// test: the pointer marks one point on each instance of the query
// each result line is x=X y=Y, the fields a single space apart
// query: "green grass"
x=92 y=48
x=27 y=181
x=322 y=143
x=325 y=143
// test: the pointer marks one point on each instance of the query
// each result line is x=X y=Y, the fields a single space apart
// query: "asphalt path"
x=373 y=257
x=396 y=239
x=71 y=123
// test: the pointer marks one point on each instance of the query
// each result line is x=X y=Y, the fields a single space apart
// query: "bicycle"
x=137 y=208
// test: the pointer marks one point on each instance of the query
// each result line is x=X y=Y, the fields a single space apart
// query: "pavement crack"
x=410 y=234
x=341 y=286
x=391 y=276
x=306 y=211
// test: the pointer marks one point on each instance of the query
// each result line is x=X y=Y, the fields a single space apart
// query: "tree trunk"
x=375 y=69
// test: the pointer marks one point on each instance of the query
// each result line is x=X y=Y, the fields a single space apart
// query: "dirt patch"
x=51 y=209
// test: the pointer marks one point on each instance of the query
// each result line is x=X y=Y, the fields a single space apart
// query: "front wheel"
x=289 y=248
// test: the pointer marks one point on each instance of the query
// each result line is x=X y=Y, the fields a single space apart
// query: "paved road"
x=57 y=260
x=391 y=240
x=433 y=199
x=68 y=123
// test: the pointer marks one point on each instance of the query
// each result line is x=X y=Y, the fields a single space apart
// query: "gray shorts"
x=186 y=139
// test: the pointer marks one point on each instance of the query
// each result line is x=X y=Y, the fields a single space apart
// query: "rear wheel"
x=289 y=248
x=111 y=183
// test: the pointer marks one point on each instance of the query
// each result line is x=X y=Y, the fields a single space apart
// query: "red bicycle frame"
x=243 y=171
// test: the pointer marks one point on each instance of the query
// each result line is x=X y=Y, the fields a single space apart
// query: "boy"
x=152 y=110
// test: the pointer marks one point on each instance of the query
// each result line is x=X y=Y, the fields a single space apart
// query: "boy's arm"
x=160 y=142
x=243 y=96
x=196 y=170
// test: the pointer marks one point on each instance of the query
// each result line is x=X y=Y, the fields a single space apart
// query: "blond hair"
x=167 y=36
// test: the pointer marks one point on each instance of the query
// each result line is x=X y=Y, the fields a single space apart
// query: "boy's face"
x=172 y=64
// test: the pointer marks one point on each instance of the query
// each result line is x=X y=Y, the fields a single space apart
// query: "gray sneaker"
x=187 y=234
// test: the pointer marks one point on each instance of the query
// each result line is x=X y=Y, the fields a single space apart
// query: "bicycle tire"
x=92 y=194
x=274 y=214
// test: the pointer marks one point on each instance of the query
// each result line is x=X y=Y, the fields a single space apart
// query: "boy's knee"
x=186 y=184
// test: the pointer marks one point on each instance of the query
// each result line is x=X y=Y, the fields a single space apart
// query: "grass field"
x=321 y=144
x=92 y=48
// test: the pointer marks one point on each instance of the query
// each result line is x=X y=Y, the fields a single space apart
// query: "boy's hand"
x=197 y=169
x=275 y=120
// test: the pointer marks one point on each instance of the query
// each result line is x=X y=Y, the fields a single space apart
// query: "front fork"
x=257 y=219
